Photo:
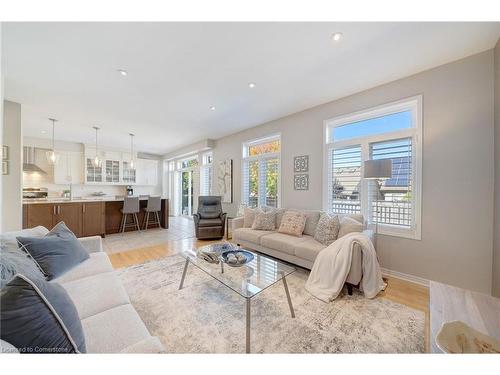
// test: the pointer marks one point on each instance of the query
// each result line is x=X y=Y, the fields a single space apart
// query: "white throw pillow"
x=249 y=216
x=327 y=229
x=264 y=220
x=349 y=225
x=293 y=223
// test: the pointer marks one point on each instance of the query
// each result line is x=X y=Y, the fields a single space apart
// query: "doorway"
x=187 y=193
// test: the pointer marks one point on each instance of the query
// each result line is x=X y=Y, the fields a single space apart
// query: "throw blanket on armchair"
x=332 y=265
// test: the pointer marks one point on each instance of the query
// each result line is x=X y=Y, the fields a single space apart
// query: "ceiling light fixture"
x=96 y=162
x=336 y=37
x=122 y=72
x=252 y=85
x=132 y=157
x=212 y=108
x=51 y=155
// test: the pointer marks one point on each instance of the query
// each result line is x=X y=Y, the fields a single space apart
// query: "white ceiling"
x=178 y=70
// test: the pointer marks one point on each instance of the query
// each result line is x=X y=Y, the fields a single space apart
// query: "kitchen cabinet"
x=93 y=219
x=129 y=174
x=93 y=174
x=147 y=172
x=83 y=219
x=71 y=214
x=112 y=171
x=69 y=169
x=39 y=214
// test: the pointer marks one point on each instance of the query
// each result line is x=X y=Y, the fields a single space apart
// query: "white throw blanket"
x=332 y=265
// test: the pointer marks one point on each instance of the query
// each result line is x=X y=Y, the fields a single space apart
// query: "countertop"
x=79 y=200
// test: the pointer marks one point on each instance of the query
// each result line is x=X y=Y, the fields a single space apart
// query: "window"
x=392 y=131
x=206 y=175
x=261 y=172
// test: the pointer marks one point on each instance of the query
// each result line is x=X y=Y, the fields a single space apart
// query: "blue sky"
x=385 y=124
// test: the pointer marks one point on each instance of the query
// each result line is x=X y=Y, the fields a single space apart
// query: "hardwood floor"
x=400 y=291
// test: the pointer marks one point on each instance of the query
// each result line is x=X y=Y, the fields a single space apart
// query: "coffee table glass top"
x=246 y=280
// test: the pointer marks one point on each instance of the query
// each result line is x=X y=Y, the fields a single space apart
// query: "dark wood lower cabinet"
x=93 y=218
x=71 y=214
x=39 y=214
x=84 y=218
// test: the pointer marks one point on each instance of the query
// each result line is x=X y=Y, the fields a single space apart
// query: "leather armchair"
x=210 y=221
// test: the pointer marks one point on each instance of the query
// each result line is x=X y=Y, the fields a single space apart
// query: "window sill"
x=395 y=231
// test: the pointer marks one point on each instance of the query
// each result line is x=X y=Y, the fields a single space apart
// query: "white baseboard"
x=405 y=276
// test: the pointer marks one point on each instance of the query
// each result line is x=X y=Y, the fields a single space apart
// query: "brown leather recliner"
x=210 y=221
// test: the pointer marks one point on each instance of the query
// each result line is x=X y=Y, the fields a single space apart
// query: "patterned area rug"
x=207 y=317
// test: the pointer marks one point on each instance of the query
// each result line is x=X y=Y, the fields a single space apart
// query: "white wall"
x=457 y=206
x=11 y=183
x=496 y=231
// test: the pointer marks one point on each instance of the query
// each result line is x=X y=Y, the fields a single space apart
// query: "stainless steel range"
x=35 y=193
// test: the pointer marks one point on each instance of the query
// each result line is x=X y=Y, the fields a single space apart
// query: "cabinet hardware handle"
x=83 y=205
x=58 y=210
x=54 y=210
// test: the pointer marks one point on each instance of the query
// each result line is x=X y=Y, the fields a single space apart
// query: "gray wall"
x=457 y=206
x=496 y=233
x=12 y=183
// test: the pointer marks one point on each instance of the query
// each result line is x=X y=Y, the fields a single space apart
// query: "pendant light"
x=96 y=162
x=132 y=158
x=51 y=155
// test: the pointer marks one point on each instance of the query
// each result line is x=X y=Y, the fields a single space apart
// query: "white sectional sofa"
x=110 y=323
x=301 y=251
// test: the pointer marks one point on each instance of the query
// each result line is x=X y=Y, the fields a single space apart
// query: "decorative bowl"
x=458 y=337
x=237 y=258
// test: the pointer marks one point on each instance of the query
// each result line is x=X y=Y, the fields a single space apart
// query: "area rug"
x=207 y=317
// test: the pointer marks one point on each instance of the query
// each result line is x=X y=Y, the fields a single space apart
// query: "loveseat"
x=301 y=251
x=110 y=322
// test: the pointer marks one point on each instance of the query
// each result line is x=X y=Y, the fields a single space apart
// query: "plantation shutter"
x=344 y=165
x=391 y=201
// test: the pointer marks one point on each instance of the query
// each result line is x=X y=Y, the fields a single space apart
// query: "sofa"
x=110 y=322
x=301 y=251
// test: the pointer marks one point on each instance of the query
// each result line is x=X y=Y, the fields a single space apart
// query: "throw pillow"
x=249 y=216
x=40 y=317
x=349 y=225
x=14 y=261
x=312 y=218
x=327 y=229
x=55 y=253
x=265 y=220
x=293 y=223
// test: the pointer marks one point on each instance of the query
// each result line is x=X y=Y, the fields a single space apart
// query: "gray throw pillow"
x=14 y=261
x=39 y=317
x=55 y=253
x=327 y=229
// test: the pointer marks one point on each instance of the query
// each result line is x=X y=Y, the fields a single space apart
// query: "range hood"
x=29 y=163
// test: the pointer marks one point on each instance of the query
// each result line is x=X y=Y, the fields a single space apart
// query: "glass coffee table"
x=248 y=280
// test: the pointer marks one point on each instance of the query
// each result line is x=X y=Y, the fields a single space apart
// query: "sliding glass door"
x=187 y=193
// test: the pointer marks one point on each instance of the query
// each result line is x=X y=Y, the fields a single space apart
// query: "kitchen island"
x=84 y=216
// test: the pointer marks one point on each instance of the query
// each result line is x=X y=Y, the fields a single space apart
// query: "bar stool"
x=130 y=206
x=153 y=207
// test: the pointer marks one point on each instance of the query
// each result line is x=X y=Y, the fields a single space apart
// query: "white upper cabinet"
x=116 y=170
x=147 y=172
x=69 y=169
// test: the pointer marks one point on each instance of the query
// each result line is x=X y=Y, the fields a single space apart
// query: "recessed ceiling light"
x=252 y=85
x=337 y=36
x=122 y=72
x=212 y=108
x=43 y=132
